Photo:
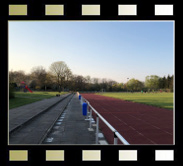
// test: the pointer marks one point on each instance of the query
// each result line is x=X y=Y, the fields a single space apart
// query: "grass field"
x=22 y=98
x=163 y=100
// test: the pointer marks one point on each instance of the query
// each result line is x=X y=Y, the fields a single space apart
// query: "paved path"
x=35 y=131
x=137 y=123
x=18 y=116
x=70 y=125
x=73 y=128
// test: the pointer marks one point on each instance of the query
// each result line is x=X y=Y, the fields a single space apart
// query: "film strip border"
x=90 y=155
x=90 y=10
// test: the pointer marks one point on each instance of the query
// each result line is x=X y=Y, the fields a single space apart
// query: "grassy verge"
x=22 y=98
x=163 y=100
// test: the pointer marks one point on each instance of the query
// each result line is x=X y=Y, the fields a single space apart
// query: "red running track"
x=137 y=123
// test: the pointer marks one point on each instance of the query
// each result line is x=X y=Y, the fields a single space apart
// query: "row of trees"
x=59 y=77
x=155 y=82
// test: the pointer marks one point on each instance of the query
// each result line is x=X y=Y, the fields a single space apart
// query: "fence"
x=117 y=135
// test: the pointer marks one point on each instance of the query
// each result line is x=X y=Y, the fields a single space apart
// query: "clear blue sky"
x=109 y=49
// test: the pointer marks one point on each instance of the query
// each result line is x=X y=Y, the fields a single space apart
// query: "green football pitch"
x=163 y=100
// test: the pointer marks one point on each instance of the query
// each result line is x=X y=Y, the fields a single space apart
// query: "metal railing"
x=117 y=135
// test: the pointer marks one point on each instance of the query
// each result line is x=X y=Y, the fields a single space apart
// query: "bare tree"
x=88 y=79
x=61 y=71
x=39 y=74
x=79 y=82
x=17 y=77
x=50 y=80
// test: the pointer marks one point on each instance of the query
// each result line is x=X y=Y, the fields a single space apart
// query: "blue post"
x=79 y=97
x=84 y=109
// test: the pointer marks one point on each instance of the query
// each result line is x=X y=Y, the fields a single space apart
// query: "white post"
x=97 y=129
x=81 y=100
x=90 y=113
x=115 y=139
x=90 y=117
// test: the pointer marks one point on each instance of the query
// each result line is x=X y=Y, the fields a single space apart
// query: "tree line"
x=59 y=77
